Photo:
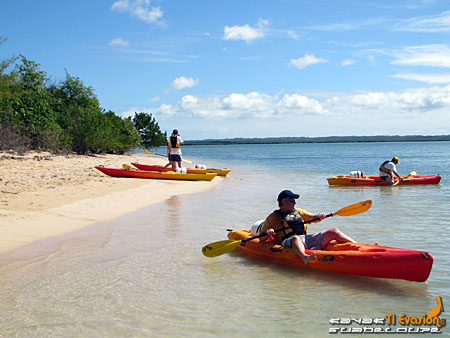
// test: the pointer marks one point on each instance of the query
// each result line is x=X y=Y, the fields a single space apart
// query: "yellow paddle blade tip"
x=207 y=251
x=219 y=248
x=126 y=166
x=354 y=209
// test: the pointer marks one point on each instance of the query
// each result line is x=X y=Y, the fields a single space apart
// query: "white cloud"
x=254 y=104
x=419 y=103
x=371 y=59
x=436 y=55
x=413 y=100
x=432 y=23
x=441 y=78
x=297 y=103
x=182 y=82
x=166 y=110
x=246 y=32
x=292 y=34
x=307 y=60
x=140 y=9
x=347 y=62
x=334 y=27
x=119 y=42
x=188 y=101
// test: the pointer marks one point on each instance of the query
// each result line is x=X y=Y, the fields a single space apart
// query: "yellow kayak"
x=219 y=172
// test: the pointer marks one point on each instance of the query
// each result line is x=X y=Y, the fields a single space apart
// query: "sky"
x=254 y=68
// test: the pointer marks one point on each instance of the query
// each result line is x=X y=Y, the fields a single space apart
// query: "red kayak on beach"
x=170 y=175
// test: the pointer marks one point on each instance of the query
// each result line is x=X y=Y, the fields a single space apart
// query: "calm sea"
x=143 y=275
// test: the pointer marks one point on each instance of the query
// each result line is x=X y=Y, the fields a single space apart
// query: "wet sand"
x=43 y=195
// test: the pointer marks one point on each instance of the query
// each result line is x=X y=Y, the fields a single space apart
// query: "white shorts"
x=311 y=242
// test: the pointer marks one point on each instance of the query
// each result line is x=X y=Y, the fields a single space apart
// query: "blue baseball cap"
x=287 y=195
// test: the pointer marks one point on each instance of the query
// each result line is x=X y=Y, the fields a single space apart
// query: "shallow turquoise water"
x=144 y=275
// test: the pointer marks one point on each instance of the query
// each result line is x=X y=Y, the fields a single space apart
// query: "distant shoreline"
x=325 y=139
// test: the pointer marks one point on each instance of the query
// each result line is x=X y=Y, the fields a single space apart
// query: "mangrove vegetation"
x=36 y=114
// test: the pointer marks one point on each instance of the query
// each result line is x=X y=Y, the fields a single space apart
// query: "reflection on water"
x=144 y=274
x=174 y=221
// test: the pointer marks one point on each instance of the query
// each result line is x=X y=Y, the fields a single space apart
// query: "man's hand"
x=321 y=215
x=270 y=232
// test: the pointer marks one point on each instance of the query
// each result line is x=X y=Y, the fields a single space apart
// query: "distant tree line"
x=64 y=117
x=326 y=139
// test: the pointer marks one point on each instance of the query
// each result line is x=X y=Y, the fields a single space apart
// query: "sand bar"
x=43 y=195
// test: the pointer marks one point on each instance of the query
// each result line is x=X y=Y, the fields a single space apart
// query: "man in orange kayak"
x=293 y=233
x=388 y=169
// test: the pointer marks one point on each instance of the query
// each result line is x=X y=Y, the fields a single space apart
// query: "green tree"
x=10 y=136
x=7 y=80
x=78 y=113
x=62 y=116
x=149 y=131
x=30 y=107
x=122 y=135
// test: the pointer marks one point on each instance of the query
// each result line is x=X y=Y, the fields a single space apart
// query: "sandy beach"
x=43 y=195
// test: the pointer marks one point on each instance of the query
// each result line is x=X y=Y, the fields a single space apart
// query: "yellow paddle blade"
x=412 y=173
x=354 y=209
x=149 y=153
x=219 y=248
x=397 y=182
x=126 y=166
x=187 y=161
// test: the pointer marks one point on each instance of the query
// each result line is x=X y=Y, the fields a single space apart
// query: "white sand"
x=44 y=195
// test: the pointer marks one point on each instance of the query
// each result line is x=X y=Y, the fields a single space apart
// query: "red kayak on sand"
x=347 y=258
x=376 y=180
x=117 y=172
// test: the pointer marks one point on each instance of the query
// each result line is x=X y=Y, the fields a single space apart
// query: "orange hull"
x=348 y=258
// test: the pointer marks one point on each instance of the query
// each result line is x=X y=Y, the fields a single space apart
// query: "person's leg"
x=335 y=234
x=164 y=168
x=167 y=164
x=387 y=179
x=299 y=249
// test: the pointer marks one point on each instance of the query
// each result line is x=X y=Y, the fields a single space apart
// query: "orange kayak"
x=347 y=258
x=376 y=180
x=117 y=172
x=151 y=167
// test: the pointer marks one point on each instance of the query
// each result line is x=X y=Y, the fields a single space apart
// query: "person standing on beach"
x=173 y=149
x=286 y=225
x=388 y=169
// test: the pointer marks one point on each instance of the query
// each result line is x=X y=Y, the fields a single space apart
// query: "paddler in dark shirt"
x=295 y=235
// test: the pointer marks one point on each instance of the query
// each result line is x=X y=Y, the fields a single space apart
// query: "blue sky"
x=224 y=69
